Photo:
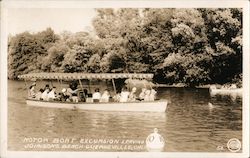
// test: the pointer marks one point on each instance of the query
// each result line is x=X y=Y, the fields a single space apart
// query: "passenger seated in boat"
x=75 y=99
x=32 y=93
x=152 y=95
x=117 y=97
x=85 y=91
x=83 y=95
x=39 y=94
x=73 y=93
x=46 y=87
x=147 y=95
x=89 y=98
x=45 y=95
x=105 y=96
x=132 y=95
x=124 y=95
x=64 y=95
x=52 y=94
x=96 y=95
x=142 y=94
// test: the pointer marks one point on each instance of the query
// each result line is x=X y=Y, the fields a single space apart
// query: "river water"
x=188 y=125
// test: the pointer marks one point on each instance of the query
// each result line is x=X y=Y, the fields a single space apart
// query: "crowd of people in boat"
x=73 y=94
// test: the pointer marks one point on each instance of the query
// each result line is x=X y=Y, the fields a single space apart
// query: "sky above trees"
x=38 y=19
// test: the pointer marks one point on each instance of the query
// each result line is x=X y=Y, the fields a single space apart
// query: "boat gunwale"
x=156 y=101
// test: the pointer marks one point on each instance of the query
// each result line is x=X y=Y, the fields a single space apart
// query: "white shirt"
x=142 y=94
x=32 y=93
x=105 y=97
x=152 y=95
x=44 y=95
x=38 y=95
x=97 y=95
x=51 y=95
x=124 y=96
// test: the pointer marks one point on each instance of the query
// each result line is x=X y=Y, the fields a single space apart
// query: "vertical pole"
x=143 y=83
x=150 y=85
x=113 y=82
x=26 y=87
x=58 y=82
x=89 y=86
x=51 y=83
x=80 y=84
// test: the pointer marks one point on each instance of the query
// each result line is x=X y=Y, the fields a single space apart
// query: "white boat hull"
x=154 y=106
x=237 y=91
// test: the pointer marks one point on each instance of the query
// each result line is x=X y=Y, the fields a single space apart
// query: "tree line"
x=190 y=46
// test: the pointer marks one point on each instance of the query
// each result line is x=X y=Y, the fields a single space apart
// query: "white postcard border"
x=5 y=5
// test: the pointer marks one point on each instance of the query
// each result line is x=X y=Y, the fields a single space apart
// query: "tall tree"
x=55 y=58
x=190 y=52
x=224 y=30
x=24 y=50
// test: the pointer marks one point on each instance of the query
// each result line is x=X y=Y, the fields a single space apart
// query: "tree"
x=93 y=64
x=76 y=59
x=54 y=60
x=156 y=38
x=23 y=52
x=224 y=30
x=190 y=52
x=26 y=50
x=191 y=46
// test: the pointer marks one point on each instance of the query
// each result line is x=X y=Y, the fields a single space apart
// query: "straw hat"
x=134 y=89
x=63 y=90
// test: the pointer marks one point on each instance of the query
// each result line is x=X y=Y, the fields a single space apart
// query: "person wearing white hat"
x=63 y=90
x=105 y=96
x=64 y=95
x=124 y=95
x=132 y=95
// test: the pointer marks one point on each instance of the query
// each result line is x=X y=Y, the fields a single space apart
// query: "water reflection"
x=48 y=120
x=189 y=124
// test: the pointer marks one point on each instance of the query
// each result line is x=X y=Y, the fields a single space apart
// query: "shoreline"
x=180 y=86
x=176 y=85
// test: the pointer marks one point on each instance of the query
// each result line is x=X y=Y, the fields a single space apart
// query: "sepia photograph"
x=122 y=79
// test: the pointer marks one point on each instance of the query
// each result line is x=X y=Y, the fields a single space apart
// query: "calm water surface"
x=187 y=125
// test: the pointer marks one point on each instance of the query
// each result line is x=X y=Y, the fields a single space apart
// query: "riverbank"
x=148 y=84
x=182 y=85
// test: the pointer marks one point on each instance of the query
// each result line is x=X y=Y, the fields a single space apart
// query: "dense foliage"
x=190 y=46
